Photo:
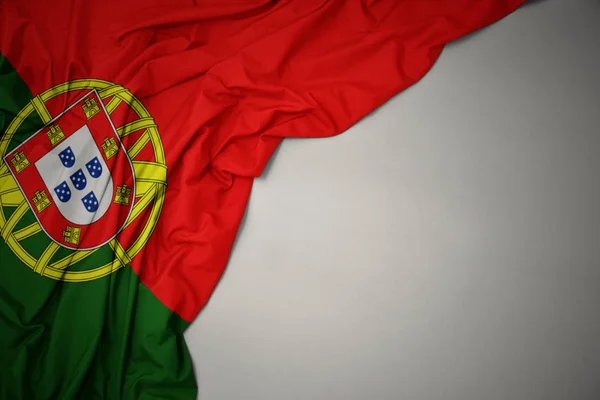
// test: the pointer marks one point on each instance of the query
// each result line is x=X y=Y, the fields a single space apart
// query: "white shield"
x=77 y=177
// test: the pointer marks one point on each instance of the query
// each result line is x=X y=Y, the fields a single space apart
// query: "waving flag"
x=131 y=132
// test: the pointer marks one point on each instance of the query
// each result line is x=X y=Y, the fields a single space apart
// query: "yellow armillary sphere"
x=17 y=226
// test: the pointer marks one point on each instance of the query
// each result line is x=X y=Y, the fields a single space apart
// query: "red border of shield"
x=57 y=227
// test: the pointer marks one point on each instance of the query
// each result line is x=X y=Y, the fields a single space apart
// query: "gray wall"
x=446 y=247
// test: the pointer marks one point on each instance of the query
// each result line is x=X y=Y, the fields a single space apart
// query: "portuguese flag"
x=130 y=135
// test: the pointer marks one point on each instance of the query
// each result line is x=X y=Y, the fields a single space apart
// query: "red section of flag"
x=226 y=81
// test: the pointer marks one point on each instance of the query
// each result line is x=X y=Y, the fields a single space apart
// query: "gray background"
x=446 y=247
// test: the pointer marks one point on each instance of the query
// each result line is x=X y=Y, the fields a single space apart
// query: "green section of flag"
x=109 y=338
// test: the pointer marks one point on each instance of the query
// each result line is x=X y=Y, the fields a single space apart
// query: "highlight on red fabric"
x=226 y=81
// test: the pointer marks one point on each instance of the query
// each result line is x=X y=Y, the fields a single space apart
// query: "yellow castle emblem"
x=19 y=161
x=109 y=147
x=71 y=235
x=90 y=108
x=123 y=194
x=55 y=134
x=40 y=200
